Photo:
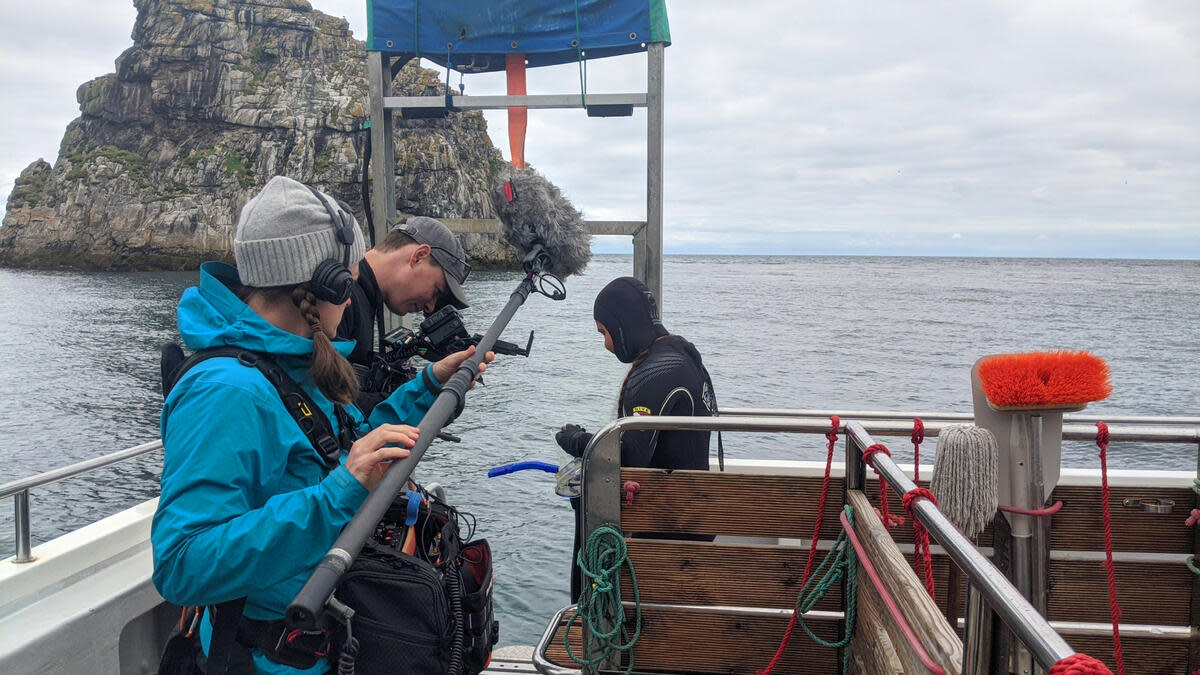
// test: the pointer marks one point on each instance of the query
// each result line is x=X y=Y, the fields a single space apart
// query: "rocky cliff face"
x=214 y=98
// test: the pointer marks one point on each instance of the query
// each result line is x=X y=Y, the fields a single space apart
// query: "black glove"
x=573 y=438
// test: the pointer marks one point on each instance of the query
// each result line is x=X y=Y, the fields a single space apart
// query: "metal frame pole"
x=21 y=516
x=649 y=242
x=383 y=154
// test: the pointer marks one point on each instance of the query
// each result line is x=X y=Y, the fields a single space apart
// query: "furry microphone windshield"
x=532 y=211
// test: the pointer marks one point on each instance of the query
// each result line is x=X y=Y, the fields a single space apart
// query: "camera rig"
x=439 y=335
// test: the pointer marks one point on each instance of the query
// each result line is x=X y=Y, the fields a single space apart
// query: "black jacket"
x=364 y=315
x=360 y=322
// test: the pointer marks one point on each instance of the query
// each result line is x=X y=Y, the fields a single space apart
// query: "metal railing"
x=1031 y=628
x=19 y=489
x=883 y=423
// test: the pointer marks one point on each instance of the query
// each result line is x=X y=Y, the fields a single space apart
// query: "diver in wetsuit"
x=666 y=377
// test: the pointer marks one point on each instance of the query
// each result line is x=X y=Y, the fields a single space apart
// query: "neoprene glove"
x=573 y=439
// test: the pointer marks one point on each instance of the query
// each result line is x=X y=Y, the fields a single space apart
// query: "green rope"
x=1191 y=564
x=840 y=563
x=1196 y=485
x=601 y=560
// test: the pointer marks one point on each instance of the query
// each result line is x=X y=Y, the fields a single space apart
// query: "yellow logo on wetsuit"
x=641 y=410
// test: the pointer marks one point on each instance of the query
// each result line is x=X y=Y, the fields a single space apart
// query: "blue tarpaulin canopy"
x=476 y=35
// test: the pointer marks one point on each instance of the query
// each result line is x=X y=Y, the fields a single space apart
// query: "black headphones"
x=332 y=281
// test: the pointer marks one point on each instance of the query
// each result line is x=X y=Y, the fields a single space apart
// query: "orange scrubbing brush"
x=1044 y=380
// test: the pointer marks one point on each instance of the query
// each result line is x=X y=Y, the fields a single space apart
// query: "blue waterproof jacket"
x=247 y=506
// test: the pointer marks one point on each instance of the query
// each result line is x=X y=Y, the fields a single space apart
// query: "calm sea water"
x=79 y=373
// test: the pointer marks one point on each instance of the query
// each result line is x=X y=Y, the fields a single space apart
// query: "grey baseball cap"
x=447 y=251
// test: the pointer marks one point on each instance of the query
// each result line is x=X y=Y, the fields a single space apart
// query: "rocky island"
x=214 y=98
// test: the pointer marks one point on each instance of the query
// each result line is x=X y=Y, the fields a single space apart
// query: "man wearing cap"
x=419 y=266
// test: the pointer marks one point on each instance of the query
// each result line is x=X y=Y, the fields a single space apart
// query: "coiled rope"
x=600 y=560
x=1079 y=664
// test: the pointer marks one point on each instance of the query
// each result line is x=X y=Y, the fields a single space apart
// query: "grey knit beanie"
x=284 y=232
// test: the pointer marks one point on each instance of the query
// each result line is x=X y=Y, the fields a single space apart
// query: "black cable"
x=366 y=187
x=454 y=590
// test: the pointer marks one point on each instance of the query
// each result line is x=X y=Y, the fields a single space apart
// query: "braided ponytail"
x=330 y=370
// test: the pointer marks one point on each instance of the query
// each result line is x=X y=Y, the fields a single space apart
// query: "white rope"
x=964 y=477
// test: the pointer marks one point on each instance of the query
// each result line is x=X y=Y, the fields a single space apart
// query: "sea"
x=79 y=374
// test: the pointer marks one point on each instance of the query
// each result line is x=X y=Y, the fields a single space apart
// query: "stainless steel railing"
x=1030 y=627
x=19 y=489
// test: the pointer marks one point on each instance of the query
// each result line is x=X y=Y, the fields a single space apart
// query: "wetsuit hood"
x=627 y=309
x=211 y=315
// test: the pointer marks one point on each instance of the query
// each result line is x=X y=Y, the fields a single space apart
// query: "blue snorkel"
x=567 y=479
x=522 y=466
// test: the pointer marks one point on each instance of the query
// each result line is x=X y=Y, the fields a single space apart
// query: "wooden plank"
x=1150 y=593
x=703 y=641
x=710 y=502
x=939 y=640
x=1079 y=526
x=871 y=650
x=699 y=573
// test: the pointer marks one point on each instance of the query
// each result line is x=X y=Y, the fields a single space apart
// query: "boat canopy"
x=477 y=35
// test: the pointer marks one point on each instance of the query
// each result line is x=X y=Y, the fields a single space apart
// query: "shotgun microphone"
x=533 y=213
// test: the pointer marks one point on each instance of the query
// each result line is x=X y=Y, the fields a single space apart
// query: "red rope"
x=1102 y=443
x=1192 y=519
x=1079 y=664
x=918 y=435
x=889 y=520
x=921 y=555
x=832 y=436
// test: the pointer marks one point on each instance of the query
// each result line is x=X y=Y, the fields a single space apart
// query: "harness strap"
x=221 y=648
x=299 y=404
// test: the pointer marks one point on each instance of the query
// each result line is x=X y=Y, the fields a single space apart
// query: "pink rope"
x=1192 y=519
x=910 y=635
x=1037 y=513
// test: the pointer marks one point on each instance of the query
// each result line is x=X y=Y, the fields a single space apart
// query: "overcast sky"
x=1049 y=128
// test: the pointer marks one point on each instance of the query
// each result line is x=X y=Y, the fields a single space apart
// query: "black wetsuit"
x=670 y=381
x=360 y=322
x=667 y=377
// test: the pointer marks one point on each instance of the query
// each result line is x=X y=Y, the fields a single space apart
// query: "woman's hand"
x=371 y=454
x=443 y=369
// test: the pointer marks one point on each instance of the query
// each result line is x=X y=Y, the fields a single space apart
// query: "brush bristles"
x=1044 y=379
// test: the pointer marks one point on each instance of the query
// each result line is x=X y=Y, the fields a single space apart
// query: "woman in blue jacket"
x=248 y=506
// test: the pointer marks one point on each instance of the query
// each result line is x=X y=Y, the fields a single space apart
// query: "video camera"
x=439 y=335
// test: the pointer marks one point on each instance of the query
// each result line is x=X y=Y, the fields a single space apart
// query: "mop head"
x=964 y=477
x=1062 y=379
x=533 y=211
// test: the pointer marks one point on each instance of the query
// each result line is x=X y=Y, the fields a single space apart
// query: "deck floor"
x=514 y=659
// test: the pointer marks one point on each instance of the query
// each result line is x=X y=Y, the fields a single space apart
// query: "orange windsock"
x=1044 y=379
x=518 y=116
